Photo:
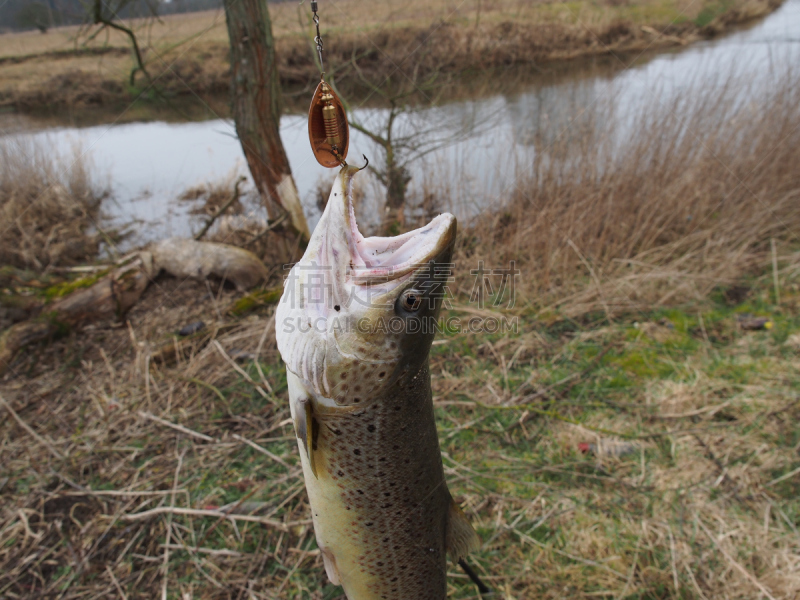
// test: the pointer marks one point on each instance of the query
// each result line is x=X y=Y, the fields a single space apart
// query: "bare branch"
x=234 y=197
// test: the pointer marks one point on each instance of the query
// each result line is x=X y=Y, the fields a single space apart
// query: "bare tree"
x=105 y=14
x=406 y=132
x=256 y=97
x=255 y=92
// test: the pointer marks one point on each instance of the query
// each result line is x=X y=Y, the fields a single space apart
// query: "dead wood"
x=189 y=258
x=111 y=297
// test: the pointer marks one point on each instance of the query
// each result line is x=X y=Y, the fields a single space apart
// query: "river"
x=476 y=148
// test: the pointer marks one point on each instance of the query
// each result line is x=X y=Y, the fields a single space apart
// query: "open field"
x=188 y=54
x=634 y=437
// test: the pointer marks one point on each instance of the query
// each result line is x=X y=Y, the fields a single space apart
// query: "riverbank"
x=187 y=55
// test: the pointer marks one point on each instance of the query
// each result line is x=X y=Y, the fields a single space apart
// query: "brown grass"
x=47 y=206
x=660 y=219
x=188 y=54
x=215 y=195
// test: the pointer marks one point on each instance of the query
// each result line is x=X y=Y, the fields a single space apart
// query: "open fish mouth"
x=381 y=259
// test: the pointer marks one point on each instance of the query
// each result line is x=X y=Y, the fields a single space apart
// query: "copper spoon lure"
x=328 y=130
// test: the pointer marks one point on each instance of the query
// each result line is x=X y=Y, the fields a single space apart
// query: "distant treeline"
x=20 y=15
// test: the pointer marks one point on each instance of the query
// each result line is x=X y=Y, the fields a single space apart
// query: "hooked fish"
x=354 y=327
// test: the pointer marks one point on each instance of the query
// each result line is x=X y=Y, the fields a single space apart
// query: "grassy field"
x=691 y=489
x=188 y=54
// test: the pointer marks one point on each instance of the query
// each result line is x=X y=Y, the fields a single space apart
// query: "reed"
x=634 y=212
x=48 y=204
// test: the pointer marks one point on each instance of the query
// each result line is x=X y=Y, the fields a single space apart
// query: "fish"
x=354 y=327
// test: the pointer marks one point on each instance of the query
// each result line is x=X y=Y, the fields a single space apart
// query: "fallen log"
x=184 y=258
x=110 y=297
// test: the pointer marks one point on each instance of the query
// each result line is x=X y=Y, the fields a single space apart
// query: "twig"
x=735 y=564
x=573 y=379
x=122 y=493
x=256 y=362
x=775 y=271
x=304 y=554
x=100 y=19
x=229 y=510
x=208 y=386
x=115 y=582
x=694 y=413
x=783 y=408
x=585 y=561
x=30 y=431
x=482 y=588
x=554 y=415
x=694 y=582
x=270 y=227
x=210 y=551
x=721 y=469
x=264 y=451
x=234 y=197
x=241 y=371
x=198 y=512
x=595 y=279
x=783 y=477
x=672 y=562
x=165 y=565
x=181 y=428
x=545 y=391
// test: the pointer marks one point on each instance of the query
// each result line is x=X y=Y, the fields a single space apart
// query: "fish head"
x=357 y=313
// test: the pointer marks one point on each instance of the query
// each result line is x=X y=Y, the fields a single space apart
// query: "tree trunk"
x=256 y=101
x=396 y=181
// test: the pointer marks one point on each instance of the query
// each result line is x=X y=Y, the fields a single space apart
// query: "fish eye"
x=411 y=300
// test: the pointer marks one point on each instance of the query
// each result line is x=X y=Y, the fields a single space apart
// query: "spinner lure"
x=328 y=130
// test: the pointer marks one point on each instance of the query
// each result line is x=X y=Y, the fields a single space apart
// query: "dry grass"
x=214 y=195
x=188 y=54
x=115 y=466
x=698 y=509
x=47 y=206
x=656 y=219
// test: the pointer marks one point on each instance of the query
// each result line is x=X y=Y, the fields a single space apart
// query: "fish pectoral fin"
x=306 y=429
x=461 y=537
x=330 y=566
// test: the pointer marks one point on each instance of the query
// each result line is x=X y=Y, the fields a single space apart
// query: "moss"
x=711 y=12
x=645 y=362
x=255 y=300
x=64 y=289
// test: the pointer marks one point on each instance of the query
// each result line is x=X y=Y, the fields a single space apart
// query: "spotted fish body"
x=360 y=398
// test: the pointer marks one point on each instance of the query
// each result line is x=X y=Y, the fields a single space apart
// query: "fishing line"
x=482 y=588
